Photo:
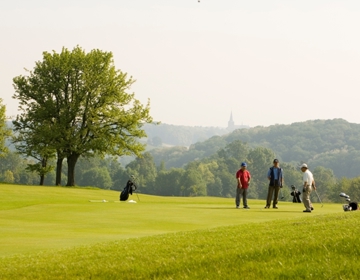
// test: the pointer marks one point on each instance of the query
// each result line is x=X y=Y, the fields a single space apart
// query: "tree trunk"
x=71 y=161
x=42 y=175
x=58 y=170
x=42 y=178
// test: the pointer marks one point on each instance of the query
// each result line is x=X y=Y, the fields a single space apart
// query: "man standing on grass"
x=309 y=184
x=243 y=177
x=275 y=176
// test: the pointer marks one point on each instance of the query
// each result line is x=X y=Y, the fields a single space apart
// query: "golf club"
x=133 y=179
x=281 y=194
x=319 y=198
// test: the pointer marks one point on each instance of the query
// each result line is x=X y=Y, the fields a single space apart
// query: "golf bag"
x=295 y=194
x=351 y=206
x=129 y=189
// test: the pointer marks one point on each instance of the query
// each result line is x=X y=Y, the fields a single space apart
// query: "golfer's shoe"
x=237 y=206
x=246 y=207
x=266 y=207
x=275 y=207
x=307 y=211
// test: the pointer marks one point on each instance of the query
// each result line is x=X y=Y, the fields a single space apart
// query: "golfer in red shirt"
x=243 y=177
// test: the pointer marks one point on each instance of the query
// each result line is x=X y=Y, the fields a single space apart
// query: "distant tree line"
x=334 y=144
x=212 y=176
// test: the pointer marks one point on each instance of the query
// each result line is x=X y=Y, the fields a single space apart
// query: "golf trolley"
x=129 y=189
x=351 y=206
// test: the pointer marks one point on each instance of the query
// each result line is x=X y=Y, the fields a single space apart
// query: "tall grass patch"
x=311 y=247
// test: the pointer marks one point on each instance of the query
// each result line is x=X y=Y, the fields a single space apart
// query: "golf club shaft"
x=319 y=198
x=281 y=194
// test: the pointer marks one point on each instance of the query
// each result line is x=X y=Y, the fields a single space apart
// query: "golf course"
x=87 y=233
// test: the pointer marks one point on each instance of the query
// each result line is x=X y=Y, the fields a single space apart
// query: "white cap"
x=304 y=165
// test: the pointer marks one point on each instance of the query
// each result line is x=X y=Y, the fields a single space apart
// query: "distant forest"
x=333 y=144
x=331 y=148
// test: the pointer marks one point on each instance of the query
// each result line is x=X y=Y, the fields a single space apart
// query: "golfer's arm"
x=313 y=184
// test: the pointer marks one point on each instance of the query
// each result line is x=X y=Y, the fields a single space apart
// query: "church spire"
x=231 y=124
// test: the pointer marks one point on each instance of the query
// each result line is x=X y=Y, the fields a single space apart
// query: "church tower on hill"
x=231 y=124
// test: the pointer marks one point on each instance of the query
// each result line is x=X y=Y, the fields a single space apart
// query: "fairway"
x=34 y=218
x=70 y=233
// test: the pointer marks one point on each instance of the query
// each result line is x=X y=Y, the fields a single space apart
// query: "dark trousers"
x=273 y=190
x=241 y=193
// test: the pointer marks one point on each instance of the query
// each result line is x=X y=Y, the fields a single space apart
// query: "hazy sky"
x=267 y=61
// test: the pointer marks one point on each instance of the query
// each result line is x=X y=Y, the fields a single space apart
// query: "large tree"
x=80 y=105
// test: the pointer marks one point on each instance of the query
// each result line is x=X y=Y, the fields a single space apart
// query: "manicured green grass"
x=56 y=233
